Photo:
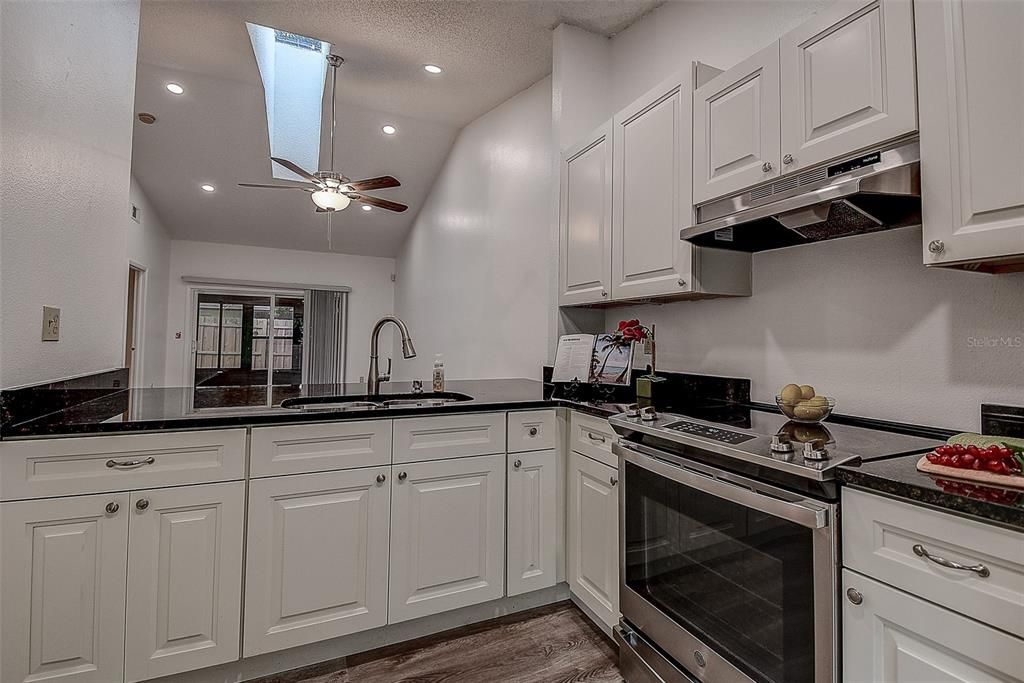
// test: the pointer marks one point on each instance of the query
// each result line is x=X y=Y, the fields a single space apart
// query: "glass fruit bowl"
x=807 y=411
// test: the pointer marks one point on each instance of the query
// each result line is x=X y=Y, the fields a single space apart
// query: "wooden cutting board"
x=979 y=476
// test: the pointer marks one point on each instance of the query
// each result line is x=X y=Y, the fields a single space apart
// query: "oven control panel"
x=708 y=432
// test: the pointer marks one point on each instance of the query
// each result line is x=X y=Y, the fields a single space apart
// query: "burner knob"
x=812 y=452
x=647 y=414
x=781 y=444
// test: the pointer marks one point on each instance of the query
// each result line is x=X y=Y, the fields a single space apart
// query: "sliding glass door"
x=248 y=348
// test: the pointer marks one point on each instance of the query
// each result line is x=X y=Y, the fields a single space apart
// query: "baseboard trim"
x=308 y=661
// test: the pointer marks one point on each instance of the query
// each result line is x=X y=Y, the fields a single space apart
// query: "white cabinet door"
x=736 y=127
x=593 y=518
x=652 y=193
x=585 y=220
x=317 y=557
x=895 y=637
x=532 y=521
x=447 y=535
x=847 y=80
x=971 y=79
x=63 y=566
x=184 y=606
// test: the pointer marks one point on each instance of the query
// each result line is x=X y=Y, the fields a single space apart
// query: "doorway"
x=133 y=335
x=248 y=348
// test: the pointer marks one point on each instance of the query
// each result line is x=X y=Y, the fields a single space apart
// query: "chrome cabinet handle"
x=854 y=596
x=517 y=464
x=402 y=476
x=533 y=431
x=613 y=480
x=141 y=504
x=604 y=293
x=131 y=463
x=766 y=166
x=112 y=508
x=681 y=282
x=788 y=159
x=979 y=569
x=936 y=246
x=598 y=439
x=381 y=478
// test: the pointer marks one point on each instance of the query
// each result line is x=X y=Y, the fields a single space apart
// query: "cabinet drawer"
x=592 y=436
x=448 y=436
x=296 y=449
x=532 y=430
x=879 y=539
x=60 y=467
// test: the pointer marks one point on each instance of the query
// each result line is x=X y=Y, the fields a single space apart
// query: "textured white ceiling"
x=216 y=132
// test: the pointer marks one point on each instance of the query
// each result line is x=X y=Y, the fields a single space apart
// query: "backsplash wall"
x=863 y=321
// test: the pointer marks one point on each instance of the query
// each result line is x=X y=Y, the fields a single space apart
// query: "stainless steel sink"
x=351 y=403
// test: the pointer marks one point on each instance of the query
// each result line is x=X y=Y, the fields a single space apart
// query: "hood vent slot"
x=863 y=193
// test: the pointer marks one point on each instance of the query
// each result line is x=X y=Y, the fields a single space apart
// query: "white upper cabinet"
x=736 y=127
x=848 y=80
x=317 y=557
x=447 y=535
x=652 y=197
x=585 y=220
x=971 y=82
x=184 y=604
x=63 y=568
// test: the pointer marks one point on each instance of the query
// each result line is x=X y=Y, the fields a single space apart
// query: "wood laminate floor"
x=553 y=644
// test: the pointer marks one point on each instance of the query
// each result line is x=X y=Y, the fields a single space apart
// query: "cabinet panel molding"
x=532 y=549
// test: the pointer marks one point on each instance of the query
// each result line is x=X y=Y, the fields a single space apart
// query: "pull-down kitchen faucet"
x=373 y=377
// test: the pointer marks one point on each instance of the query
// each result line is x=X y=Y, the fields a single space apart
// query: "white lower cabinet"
x=317 y=557
x=532 y=548
x=593 y=519
x=184 y=579
x=895 y=637
x=447 y=535
x=63 y=599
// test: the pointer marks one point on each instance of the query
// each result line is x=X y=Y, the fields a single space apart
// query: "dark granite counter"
x=898 y=477
x=132 y=410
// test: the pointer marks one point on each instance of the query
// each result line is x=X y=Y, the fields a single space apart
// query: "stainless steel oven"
x=723 y=577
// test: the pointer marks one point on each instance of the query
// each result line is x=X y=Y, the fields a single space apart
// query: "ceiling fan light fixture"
x=331 y=199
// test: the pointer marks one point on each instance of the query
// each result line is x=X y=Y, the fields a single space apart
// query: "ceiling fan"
x=331 y=191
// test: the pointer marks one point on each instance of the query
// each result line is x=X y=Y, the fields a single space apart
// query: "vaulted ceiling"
x=216 y=132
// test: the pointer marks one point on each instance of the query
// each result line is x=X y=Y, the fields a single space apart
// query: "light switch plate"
x=51 y=323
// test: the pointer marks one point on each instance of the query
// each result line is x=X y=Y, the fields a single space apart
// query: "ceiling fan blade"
x=276 y=187
x=376 y=201
x=298 y=170
x=381 y=183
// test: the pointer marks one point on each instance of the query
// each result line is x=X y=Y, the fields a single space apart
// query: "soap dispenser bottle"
x=438 y=373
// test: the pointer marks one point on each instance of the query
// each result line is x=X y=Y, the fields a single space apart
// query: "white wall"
x=474 y=274
x=373 y=293
x=149 y=247
x=67 y=81
x=861 y=318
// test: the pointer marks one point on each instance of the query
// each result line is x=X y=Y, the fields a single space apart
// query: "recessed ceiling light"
x=389 y=130
x=174 y=88
x=207 y=188
x=432 y=68
x=367 y=207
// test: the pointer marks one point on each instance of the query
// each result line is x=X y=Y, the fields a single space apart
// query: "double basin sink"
x=349 y=403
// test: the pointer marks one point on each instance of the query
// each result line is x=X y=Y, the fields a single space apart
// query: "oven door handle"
x=805 y=512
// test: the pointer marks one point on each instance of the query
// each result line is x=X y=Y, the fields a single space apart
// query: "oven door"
x=733 y=578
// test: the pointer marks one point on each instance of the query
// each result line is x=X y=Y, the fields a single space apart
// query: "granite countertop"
x=166 y=408
x=899 y=477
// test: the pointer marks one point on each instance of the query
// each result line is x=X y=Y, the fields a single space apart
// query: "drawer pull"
x=533 y=431
x=598 y=439
x=979 y=569
x=131 y=463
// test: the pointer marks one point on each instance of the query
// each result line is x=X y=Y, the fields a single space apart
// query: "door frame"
x=135 y=370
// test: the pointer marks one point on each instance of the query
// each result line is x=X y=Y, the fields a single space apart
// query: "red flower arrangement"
x=633 y=331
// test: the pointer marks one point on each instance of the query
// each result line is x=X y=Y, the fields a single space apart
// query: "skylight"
x=293 y=69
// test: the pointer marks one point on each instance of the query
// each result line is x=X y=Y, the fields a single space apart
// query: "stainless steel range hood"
x=865 y=192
